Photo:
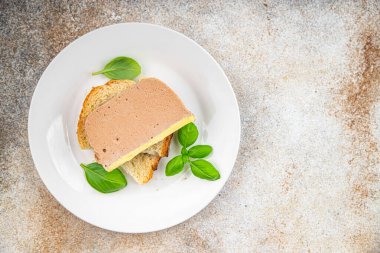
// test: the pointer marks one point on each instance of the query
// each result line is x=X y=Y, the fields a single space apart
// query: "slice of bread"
x=140 y=167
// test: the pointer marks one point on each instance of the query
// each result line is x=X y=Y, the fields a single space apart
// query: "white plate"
x=163 y=53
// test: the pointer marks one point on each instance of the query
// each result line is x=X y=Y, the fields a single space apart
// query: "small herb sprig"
x=102 y=180
x=201 y=168
x=120 y=68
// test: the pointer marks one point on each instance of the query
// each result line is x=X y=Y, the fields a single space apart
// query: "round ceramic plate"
x=163 y=53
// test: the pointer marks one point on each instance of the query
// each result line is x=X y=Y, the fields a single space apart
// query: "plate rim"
x=51 y=63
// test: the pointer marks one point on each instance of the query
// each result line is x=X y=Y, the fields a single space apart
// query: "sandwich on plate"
x=130 y=125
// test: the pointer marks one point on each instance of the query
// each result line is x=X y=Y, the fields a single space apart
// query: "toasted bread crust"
x=153 y=168
x=166 y=145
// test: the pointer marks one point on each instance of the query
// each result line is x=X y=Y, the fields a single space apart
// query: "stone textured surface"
x=306 y=76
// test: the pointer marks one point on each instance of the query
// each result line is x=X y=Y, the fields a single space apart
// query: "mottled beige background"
x=307 y=78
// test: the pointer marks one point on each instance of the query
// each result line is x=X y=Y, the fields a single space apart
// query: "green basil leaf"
x=204 y=169
x=102 y=180
x=200 y=151
x=174 y=166
x=188 y=134
x=121 y=68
